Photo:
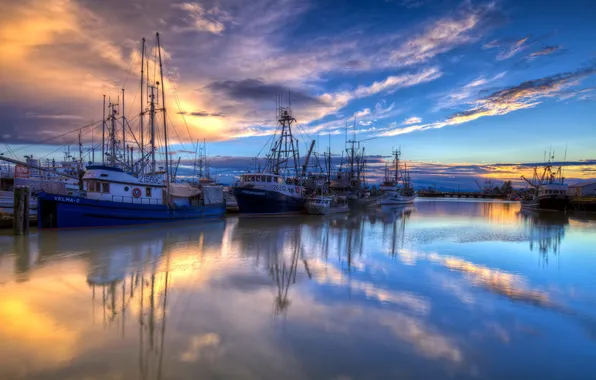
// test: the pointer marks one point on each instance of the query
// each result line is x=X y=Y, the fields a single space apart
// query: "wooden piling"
x=20 y=221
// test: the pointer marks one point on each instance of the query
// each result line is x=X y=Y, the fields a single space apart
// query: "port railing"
x=140 y=200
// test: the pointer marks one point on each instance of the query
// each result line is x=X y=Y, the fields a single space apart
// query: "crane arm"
x=307 y=158
x=17 y=162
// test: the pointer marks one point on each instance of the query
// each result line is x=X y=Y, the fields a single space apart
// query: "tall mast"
x=113 y=134
x=123 y=130
x=80 y=152
x=142 y=100
x=103 y=133
x=163 y=100
x=152 y=125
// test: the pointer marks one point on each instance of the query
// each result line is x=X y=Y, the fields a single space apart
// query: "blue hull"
x=57 y=211
x=265 y=202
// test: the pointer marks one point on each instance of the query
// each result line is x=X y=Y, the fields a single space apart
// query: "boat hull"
x=266 y=202
x=58 y=211
x=547 y=203
x=396 y=200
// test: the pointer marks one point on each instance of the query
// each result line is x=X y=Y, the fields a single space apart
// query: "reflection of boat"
x=325 y=205
x=546 y=229
x=395 y=193
x=549 y=192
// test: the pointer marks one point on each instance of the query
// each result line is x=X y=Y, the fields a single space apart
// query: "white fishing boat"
x=549 y=190
x=326 y=205
x=396 y=187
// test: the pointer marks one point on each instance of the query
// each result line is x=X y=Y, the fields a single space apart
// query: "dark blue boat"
x=59 y=211
x=256 y=201
x=274 y=190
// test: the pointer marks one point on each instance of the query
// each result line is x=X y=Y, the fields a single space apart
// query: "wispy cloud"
x=508 y=48
x=528 y=94
x=444 y=35
x=390 y=85
x=466 y=93
x=200 y=20
x=412 y=120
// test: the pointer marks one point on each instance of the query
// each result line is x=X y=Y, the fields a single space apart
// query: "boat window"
x=105 y=187
x=148 y=191
x=269 y=179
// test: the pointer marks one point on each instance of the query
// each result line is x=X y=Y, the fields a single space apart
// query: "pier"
x=459 y=194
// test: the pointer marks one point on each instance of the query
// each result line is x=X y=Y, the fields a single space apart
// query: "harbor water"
x=441 y=289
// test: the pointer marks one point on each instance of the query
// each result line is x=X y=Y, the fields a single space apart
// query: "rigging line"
x=177 y=100
x=8 y=149
x=129 y=70
x=57 y=136
x=63 y=145
x=179 y=139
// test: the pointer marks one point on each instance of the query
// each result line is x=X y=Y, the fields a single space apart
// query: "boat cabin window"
x=148 y=191
x=269 y=178
x=105 y=187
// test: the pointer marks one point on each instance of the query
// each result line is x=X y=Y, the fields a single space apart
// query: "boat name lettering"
x=149 y=179
x=66 y=199
x=280 y=188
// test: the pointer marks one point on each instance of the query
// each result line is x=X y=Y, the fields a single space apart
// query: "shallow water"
x=444 y=289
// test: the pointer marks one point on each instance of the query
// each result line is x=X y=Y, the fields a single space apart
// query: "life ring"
x=136 y=192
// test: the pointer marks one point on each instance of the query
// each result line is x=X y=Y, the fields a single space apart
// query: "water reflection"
x=440 y=288
x=545 y=230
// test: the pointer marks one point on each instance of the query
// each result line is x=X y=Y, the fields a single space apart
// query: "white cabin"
x=550 y=189
x=107 y=183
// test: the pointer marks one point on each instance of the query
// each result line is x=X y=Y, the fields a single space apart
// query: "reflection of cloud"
x=33 y=334
x=497 y=281
x=423 y=338
x=198 y=344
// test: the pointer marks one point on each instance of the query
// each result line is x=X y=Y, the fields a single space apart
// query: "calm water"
x=445 y=289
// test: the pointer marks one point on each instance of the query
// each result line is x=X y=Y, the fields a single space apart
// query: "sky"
x=467 y=89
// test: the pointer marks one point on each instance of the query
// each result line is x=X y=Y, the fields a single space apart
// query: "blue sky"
x=451 y=82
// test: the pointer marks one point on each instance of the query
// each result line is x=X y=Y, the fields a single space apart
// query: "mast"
x=123 y=130
x=284 y=148
x=142 y=100
x=103 y=133
x=163 y=100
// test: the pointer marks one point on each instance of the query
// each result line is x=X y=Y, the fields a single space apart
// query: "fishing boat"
x=351 y=181
x=122 y=191
x=326 y=205
x=548 y=189
x=277 y=189
x=396 y=187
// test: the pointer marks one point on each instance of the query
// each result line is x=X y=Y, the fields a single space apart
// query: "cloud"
x=508 y=47
x=444 y=35
x=200 y=114
x=545 y=51
x=201 y=20
x=528 y=94
x=464 y=94
x=390 y=85
x=412 y=120
x=363 y=113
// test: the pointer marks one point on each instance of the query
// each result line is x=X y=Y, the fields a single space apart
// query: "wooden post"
x=20 y=223
x=26 y=201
